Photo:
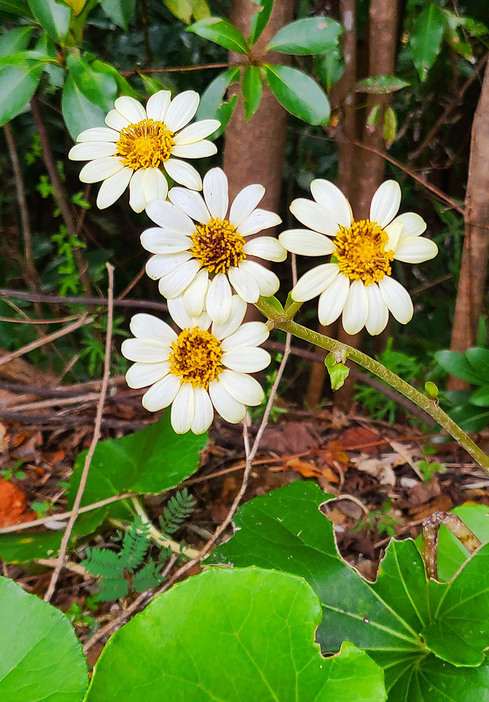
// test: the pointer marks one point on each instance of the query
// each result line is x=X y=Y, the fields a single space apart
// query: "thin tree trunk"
x=473 y=273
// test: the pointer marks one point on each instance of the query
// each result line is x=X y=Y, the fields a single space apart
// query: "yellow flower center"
x=146 y=144
x=360 y=252
x=217 y=245
x=196 y=357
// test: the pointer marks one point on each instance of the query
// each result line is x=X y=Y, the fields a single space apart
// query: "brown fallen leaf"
x=360 y=438
x=13 y=507
x=310 y=470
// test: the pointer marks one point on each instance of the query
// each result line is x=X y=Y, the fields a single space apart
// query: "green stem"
x=158 y=537
x=430 y=406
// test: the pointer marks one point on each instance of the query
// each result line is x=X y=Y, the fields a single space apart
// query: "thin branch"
x=93 y=445
x=181 y=69
x=82 y=322
x=82 y=300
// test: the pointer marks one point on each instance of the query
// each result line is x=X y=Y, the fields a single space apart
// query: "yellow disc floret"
x=146 y=144
x=217 y=245
x=196 y=357
x=360 y=252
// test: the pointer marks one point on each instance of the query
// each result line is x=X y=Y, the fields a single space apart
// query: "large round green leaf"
x=298 y=93
x=41 y=659
x=231 y=635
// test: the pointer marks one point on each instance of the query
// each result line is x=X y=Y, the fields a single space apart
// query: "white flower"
x=201 y=249
x=357 y=282
x=137 y=142
x=197 y=370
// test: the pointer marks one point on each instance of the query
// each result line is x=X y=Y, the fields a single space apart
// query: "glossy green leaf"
x=479 y=360
x=182 y=9
x=14 y=41
x=16 y=7
x=151 y=460
x=456 y=364
x=103 y=70
x=480 y=397
x=388 y=618
x=426 y=37
x=378 y=85
x=307 y=37
x=29 y=545
x=298 y=93
x=212 y=101
x=98 y=87
x=53 y=18
x=329 y=67
x=470 y=417
x=119 y=11
x=451 y=552
x=41 y=659
x=221 y=32
x=231 y=635
x=18 y=83
x=78 y=112
x=260 y=19
x=252 y=90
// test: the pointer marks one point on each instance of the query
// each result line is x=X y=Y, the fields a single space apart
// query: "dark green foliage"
x=134 y=545
x=178 y=509
x=147 y=577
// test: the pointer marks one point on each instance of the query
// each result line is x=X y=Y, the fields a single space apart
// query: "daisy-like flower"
x=138 y=142
x=198 y=369
x=201 y=250
x=357 y=283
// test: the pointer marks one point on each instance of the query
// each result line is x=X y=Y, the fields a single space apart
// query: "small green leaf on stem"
x=390 y=126
x=431 y=389
x=337 y=370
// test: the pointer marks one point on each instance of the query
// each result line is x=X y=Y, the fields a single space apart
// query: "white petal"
x=100 y=169
x=87 y=150
x=144 y=350
x=182 y=108
x=170 y=217
x=158 y=104
x=215 y=192
x=415 y=249
x=413 y=224
x=355 y=311
x=385 y=203
x=179 y=314
x=158 y=241
x=174 y=283
x=242 y=387
x=244 y=284
x=161 y=264
x=249 y=334
x=140 y=375
x=330 y=197
x=393 y=231
x=204 y=411
x=314 y=282
x=244 y=203
x=238 y=311
x=162 y=393
x=230 y=409
x=257 y=221
x=333 y=299
x=183 y=173
x=194 y=295
x=378 y=313
x=202 y=149
x=246 y=359
x=155 y=186
x=268 y=283
x=266 y=247
x=130 y=108
x=98 y=134
x=397 y=299
x=113 y=187
x=116 y=121
x=137 y=201
x=197 y=131
x=191 y=203
x=147 y=326
x=306 y=242
x=219 y=299
x=314 y=216
x=183 y=409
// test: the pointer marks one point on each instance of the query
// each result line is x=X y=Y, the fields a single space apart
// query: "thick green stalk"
x=430 y=406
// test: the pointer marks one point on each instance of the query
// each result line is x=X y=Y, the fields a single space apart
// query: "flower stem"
x=430 y=406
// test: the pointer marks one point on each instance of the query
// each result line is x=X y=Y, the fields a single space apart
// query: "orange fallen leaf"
x=13 y=508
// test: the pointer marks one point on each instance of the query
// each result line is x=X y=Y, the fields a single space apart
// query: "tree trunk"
x=473 y=272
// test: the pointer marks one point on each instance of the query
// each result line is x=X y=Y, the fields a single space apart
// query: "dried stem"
x=82 y=300
x=95 y=438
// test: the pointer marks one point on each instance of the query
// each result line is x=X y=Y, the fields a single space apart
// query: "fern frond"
x=134 y=545
x=113 y=589
x=147 y=577
x=178 y=509
x=103 y=562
